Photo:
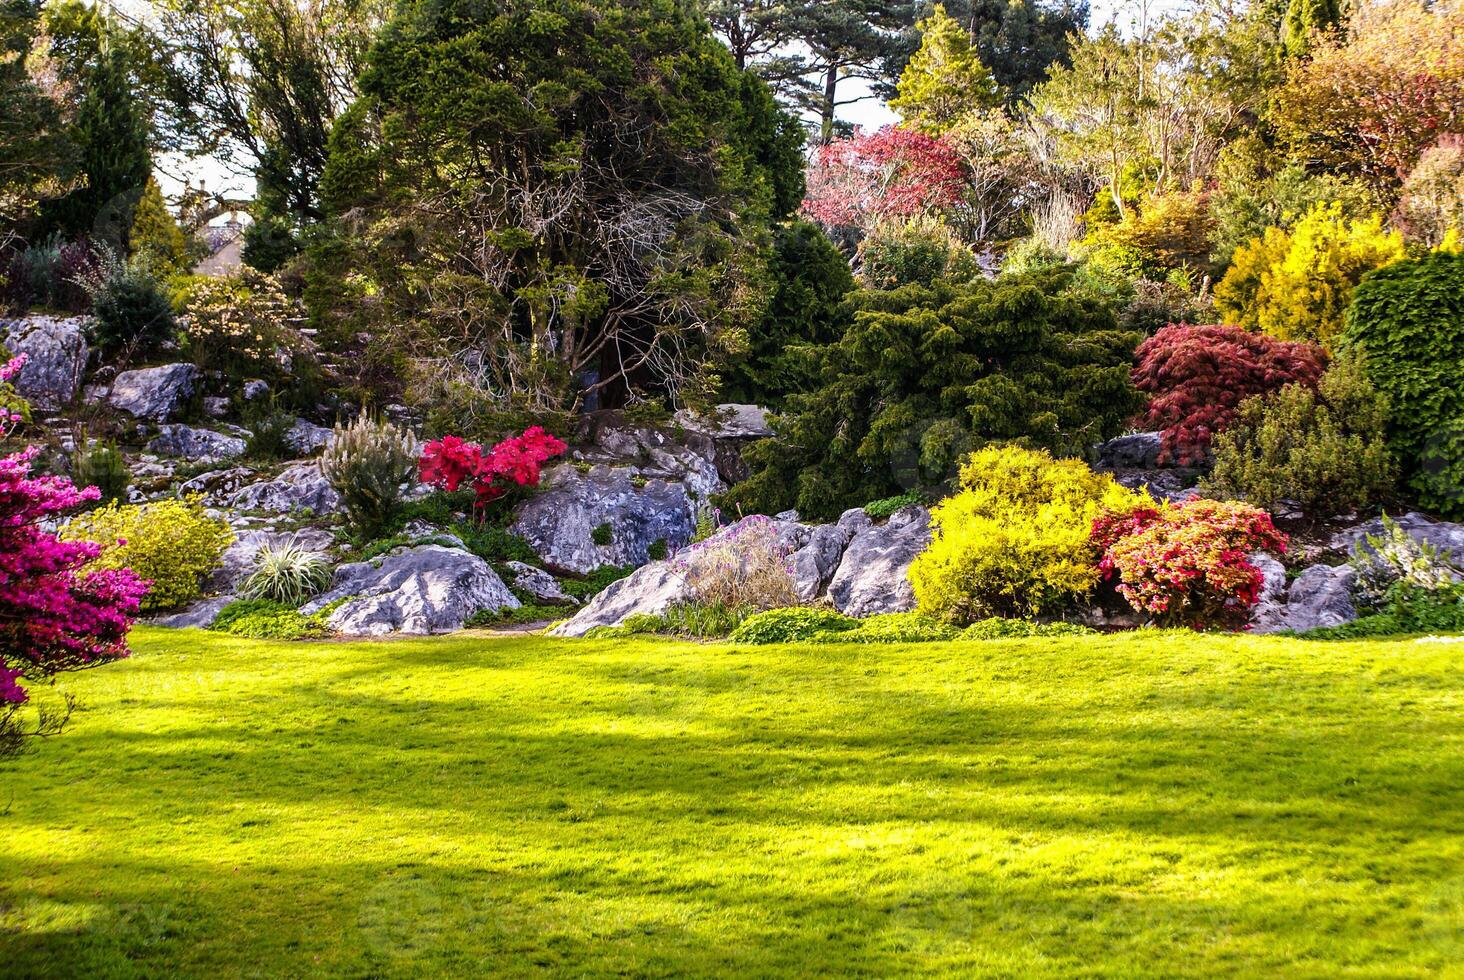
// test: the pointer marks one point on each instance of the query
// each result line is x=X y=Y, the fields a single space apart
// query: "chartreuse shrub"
x=1015 y=539
x=1297 y=284
x=1324 y=449
x=791 y=625
x=1395 y=560
x=266 y=619
x=926 y=373
x=1408 y=321
x=172 y=543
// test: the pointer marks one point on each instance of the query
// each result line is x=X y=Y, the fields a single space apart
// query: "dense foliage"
x=1408 y=322
x=1197 y=376
x=925 y=374
x=1014 y=539
x=517 y=461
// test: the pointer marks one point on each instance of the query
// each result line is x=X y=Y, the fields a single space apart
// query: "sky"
x=868 y=113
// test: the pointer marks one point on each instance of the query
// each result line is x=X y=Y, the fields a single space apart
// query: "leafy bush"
x=366 y=463
x=239 y=326
x=918 y=253
x=657 y=550
x=1326 y=449
x=517 y=616
x=1168 y=232
x=1197 y=376
x=1015 y=539
x=1385 y=562
x=288 y=574
x=266 y=619
x=1187 y=564
x=925 y=374
x=1296 y=284
x=1157 y=303
x=49 y=275
x=1002 y=629
x=791 y=625
x=100 y=465
x=903 y=627
x=1408 y=322
x=1431 y=205
x=269 y=431
x=132 y=310
x=173 y=543
x=878 y=510
x=449 y=462
x=1253 y=197
x=745 y=566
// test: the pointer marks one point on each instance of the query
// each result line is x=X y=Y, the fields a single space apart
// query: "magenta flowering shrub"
x=53 y=616
x=746 y=566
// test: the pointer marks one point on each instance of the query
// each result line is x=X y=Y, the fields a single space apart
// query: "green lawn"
x=1135 y=805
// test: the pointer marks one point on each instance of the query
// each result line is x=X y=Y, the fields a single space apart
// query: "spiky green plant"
x=367 y=462
x=289 y=574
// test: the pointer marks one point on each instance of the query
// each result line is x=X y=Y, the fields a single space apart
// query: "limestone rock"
x=814 y=564
x=1440 y=534
x=186 y=442
x=1320 y=596
x=539 y=584
x=300 y=487
x=56 y=352
x=728 y=421
x=307 y=438
x=420 y=590
x=560 y=521
x=199 y=615
x=1137 y=451
x=871 y=575
x=156 y=393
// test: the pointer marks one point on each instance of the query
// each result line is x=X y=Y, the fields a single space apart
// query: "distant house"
x=225 y=244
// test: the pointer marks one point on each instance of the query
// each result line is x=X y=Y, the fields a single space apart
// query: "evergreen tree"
x=155 y=237
x=945 y=80
x=35 y=153
x=1306 y=17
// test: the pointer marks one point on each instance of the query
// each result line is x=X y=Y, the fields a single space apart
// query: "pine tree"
x=945 y=80
x=1306 y=17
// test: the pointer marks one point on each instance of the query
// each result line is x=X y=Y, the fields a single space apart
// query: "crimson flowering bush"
x=1188 y=564
x=53 y=616
x=450 y=462
x=1197 y=376
x=888 y=174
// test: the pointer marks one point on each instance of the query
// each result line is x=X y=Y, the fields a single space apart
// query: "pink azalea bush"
x=1188 y=564
x=450 y=462
x=53 y=616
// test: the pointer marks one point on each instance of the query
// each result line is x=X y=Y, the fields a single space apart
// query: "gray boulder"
x=1137 y=451
x=1440 y=534
x=186 y=442
x=814 y=564
x=728 y=421
x=651 y=454
x=539 y=584
x=156 y=393
x=217 y=486
x=1320 y=596
x=560 y=521
x=307 y=438
x=199 y=615
x=421 y=590
x=215 y=406
x=56 y=352
x=871 y=575
x=300 y=487
x=1270 y=609
x=254 y=390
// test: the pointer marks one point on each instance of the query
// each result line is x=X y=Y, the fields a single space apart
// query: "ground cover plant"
x=1151 y=804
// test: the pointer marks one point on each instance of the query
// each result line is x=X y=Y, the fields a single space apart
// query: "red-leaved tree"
x=1197 y=376
x=891 y=173
x=1188 y=564
x=54 y=616
x=450 y=462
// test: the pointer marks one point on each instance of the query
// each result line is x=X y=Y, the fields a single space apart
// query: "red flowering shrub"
x=1197 y=376
x=890 y=173
x=1188 y=564
x=450 y=462
x=53 y=616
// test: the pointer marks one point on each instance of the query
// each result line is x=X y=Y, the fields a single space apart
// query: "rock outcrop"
x=306 y=438
x=300 y=487
x=419 y=590
x=156 y=394
x=871 y=575
x=626 y=510
x=1441 y=534
x=540 y=584
x=56 y=353
x=186 y=442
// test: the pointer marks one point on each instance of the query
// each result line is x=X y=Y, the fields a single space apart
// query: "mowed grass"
x=1143 y=805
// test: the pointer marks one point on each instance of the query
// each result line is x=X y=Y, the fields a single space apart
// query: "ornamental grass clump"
x=745 y=566
x=1188 y=564
x=288 y=573
x=367 y=463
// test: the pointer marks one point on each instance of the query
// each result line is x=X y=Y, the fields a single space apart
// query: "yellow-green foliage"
x=171 y=542
x=1014 y=539
x=1296 y=285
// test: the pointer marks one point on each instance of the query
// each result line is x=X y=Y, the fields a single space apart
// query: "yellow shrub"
x=1297 y=285
x=171 y=542
x=1014 y=539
